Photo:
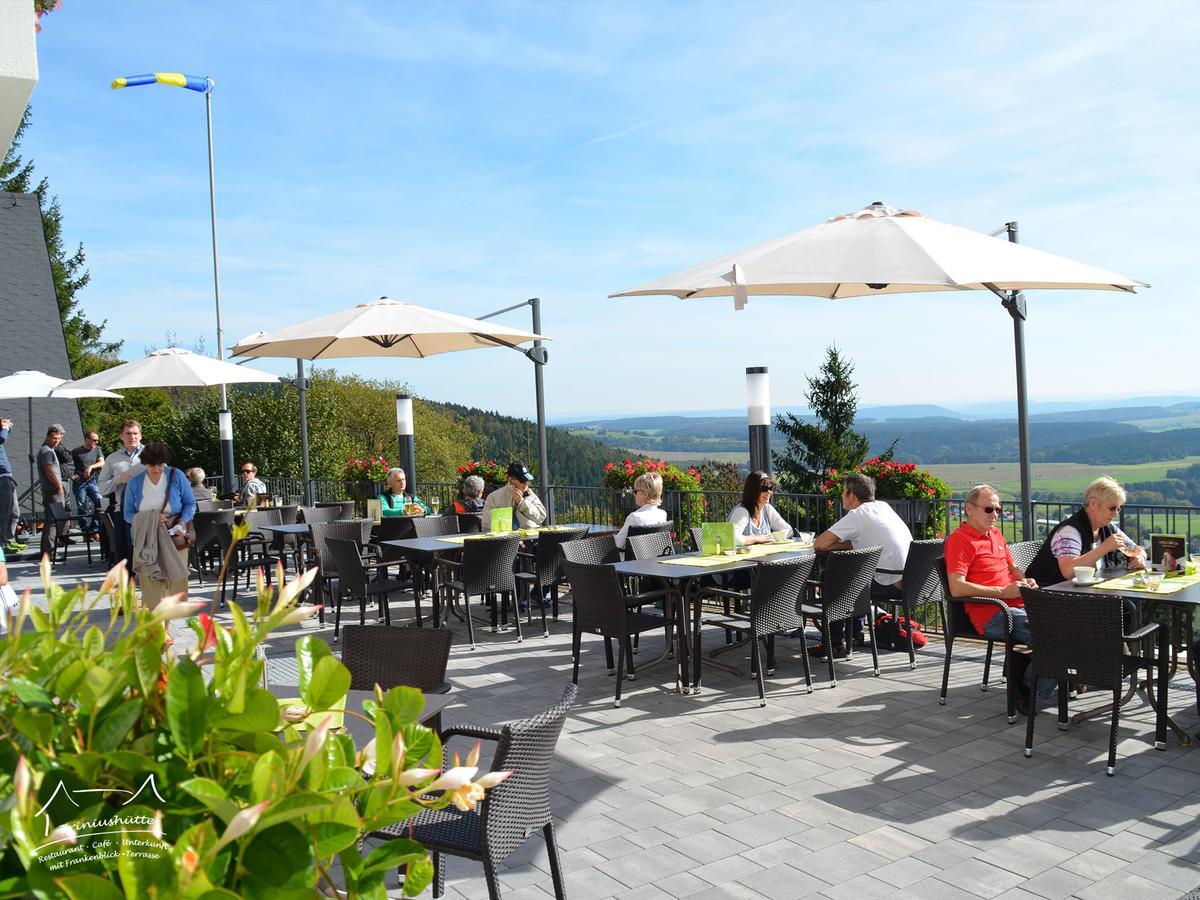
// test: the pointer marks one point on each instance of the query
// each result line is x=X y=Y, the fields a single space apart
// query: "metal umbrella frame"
x=883 y=250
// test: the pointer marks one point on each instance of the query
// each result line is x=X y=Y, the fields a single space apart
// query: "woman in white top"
x=755 y=519
x=647 y=493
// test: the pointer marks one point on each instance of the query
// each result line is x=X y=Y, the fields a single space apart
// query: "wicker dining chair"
x=344 y=508
x=207 y=543
x=1081 y=638
x=547 y=574
x=486 y=570
x=514 y=810
x=776 y=590
x=320 y=533
x=844 y=593
x=64 y=534
x=313 y=514
x=596 y=550
x=420 y=563
x=918 y=584
x=238 y=562
x=1023 y=553
x=602 y=608
x=394 y=657
x=353 y=583
x=697 y=532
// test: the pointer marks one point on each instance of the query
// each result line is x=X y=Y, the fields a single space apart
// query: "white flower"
x=173 y=608
x=63 y=834
x=240 y=824
x=300 y=613
x=412 y=777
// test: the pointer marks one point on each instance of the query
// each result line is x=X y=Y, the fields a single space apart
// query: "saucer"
x=1087 y=582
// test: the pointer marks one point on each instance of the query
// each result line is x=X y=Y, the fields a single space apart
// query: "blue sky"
x=467 y=156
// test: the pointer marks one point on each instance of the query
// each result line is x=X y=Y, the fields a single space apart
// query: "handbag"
x=186 y=539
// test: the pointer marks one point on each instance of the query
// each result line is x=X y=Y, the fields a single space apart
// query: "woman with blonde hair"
x=647 y=493
x=1086 y=537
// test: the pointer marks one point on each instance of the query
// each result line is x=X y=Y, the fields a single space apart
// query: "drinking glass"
x=434 y=502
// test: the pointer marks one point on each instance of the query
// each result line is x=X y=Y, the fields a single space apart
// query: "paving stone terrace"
x=870 y=789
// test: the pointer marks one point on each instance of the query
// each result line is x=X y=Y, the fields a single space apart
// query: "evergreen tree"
x=815 y=449
x=87 y=349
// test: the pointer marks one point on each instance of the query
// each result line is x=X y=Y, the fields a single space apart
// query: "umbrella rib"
x=316 y=355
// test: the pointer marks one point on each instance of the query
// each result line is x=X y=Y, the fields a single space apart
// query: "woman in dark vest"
x=1087 y=536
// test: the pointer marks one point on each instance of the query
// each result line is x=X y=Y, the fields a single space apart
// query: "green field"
x=1065 y=479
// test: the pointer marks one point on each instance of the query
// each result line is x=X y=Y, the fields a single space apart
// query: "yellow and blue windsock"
x=177 y=79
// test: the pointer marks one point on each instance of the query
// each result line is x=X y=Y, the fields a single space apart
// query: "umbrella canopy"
x=173 y=367
x=28 y=384
x=382 y=328
x=881 y=250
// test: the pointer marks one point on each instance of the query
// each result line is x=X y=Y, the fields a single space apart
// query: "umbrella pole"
x=540 y=391
x=302 y=387
x=1016 y=308
x=32 y=472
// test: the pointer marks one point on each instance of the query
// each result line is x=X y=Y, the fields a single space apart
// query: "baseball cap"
x=519 y=471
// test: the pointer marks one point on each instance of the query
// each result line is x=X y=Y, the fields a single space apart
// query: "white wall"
x=18 y=65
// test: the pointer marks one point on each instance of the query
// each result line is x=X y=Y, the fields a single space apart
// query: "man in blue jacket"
x=8 y=495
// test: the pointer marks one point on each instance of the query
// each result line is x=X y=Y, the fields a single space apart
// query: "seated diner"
x=396 y=501
x=755 y=520
x=647 y=494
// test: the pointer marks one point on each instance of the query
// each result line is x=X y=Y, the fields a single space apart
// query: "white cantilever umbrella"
x=881 y=250
x=174 y=367
x=29 y=385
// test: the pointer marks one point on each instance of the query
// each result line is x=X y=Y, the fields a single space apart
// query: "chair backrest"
x=1077 y=636
x=343 y=555
x=365 y=527
x=205 y=524
x=470 y=523
x=391 y=657
x=1023 y=553
x=311 y=514
x=697 y=537
x=270 y=516
x=395 y=528
x=776 y=592
x=601 y=548
x=62 y=518
x=432 y=526
x=345 y=508
x=598 y=597
x=954 y=612
x=520 y=805
x=651 y=545
x=921 y=583
x=847 y=579
x=487 y=565
x=287 y=514
x=323 y=532
x=549 y=558
x=205 y=505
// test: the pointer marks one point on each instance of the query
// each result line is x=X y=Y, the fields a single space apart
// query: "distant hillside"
x=1119 y=414
x=1126 y=449
x=573 y=460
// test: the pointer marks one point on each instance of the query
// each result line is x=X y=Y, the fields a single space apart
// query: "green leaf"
x=392 y=855
x=147 y=658
x=88 y=887
x=212 y=795
x=219 y=894
x=309 y=650
x=269 y=778
x=405 y=702
x=30 y=694
x=261 y=713
x=112 y=730
x=93 y=642
x=334 y=837
x=329 y=683
x=418 y=742
x=340 y=778
x=417 y=877
x=70 y=679
x=144 y=874
x=305 y=805
x=187 y=705
x=280 y=856
x=99 y=686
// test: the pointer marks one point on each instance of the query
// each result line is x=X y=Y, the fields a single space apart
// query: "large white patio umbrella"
x=29 y=385
x=176 y=367
x=391 y=328
x=881 y=250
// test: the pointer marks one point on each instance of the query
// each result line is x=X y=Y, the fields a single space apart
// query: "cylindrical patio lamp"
x=758 y=415
x=408 y=449
x=228 y=469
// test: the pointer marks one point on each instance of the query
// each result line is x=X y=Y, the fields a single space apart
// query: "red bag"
x=892 y=633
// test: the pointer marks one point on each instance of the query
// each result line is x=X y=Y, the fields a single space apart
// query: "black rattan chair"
x=413 y=657
x=207 y=544
x=547 y=571
x=1081 y=638
x=513 y=811
x=598 y=550
x=344 y=508
x=313 y=514
x=602 y=608
x=239 y=562
x=65 y=534
x=486 y=570
x=697 y=538
x=650 y=544
x=957 y=624
x=1023 y=553
x=353 y=583
x=845 y=592
x=421 y=564
x=919 y=584
x=470 y=523
x=320 y=535
x=776 y=591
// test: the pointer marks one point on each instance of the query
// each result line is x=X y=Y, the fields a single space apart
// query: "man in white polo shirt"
x=867 y=523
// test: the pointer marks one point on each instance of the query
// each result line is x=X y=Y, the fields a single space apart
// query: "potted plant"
x=924 y=494
x=681 y=490
x=494 y=474
x=130 y=770
x=365 y=477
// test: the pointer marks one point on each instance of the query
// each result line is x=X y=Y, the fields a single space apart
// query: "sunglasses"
x=247 y=471
x=766 y=489
x=989 y=509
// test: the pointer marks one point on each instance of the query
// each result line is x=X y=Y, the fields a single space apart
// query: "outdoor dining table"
x=1179 y=595
x=680 y=573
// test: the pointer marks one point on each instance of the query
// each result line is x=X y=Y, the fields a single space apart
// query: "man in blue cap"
x=527 y=508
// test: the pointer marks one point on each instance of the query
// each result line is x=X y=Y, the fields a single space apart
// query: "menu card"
x=1175 y=544
x=716 y=537
x=375 y=510
x=501 y=520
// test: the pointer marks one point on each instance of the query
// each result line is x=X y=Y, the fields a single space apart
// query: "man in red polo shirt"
x=979 y=564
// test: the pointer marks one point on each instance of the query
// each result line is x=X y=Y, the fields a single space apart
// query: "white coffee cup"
x=1085 y=574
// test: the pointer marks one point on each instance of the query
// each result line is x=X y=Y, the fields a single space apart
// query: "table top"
x=1188 y=596
x=444 y=543
x=292 y=528
x=656 y=568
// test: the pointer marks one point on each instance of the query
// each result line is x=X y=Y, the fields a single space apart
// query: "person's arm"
x=133 y=499
x=960 y=587
x=51 y=473
x=827 y=541
x=531 y=509
x=1067 y=547
x=778 y=522
x=187 y=503
x=5 y=430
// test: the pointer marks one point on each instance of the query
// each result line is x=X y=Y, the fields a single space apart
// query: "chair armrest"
x=476 y=731
x=1144 y=631
x=889 y=571
x=448 y=563
x=990 y=601
x=646 y=596
x=725 y=592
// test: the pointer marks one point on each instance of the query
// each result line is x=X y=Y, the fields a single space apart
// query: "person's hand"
x=5 y=423
x=124 y=477
x=1111 y=543
x=162 y=518
x=1009 y=591
x=518 y=496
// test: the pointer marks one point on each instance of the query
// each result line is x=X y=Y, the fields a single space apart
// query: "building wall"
x=31 y=333
x=18 y=65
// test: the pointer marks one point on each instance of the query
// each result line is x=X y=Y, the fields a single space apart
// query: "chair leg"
x=1010 y=685
x=620 y=671
x=912 y=653
x=493 y=883
x=556 y=875
x=946 y=666
x=756 y=665
x=1063 y=690
x=337 y=614
x=1033 y=703
x=470 y=618
x=804 y=661
x=362 y=608
x=771 y=654
x=987 y=667
x=439 y=875
x=825 y=638
x=505 y=597
x=554 y=603
x=608 y=656
x=1112 y=733
x=576 y=638
x=1160 y=724
x=542 y=606
x=874 y=646
x=629 y=658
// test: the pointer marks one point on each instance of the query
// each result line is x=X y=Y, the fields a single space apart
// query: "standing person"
x=51 y=483
x=88 y=460
x=395 y=500
x=9 y=513
x=252 y=485
x=647 y=494
x=156 y=499
x=114 y=477
x=527 y=509
x=755 y=519
x=867 y=523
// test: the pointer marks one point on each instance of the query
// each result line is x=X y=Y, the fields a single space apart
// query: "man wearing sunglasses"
x=979 y=564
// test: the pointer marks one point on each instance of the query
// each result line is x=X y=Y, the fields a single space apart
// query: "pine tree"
x=815 y=449
x=87 y=350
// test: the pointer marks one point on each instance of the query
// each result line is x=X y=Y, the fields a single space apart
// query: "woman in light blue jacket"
x=146 y=491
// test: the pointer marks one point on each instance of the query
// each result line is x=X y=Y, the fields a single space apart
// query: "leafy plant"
x=898 y=480
x=681 y=490
x=372 y=468
x=489 y=470
x=127 y=770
